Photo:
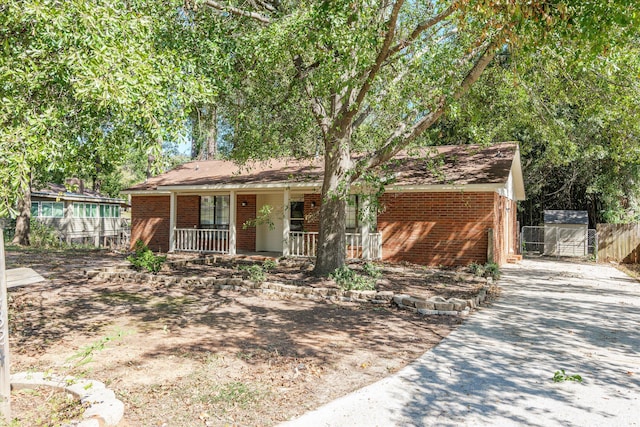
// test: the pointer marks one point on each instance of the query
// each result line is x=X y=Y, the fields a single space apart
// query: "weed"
x=561 y=376
x=348 y=279
x=144 y=258
x=372 y=270
x=490 y=269
x=269 y=265
x=256 y=273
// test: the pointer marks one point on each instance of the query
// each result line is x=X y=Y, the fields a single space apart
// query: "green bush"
x=269 y=264
x=490 y=269
x=256 y=273
x=144 y=259
x=371 y=270
x=348 y=280
x=43 y=236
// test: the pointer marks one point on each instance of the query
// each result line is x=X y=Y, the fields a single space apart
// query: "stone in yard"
x=425 y=305
x=458 y=304
x=384 y=295
x=398 y=298
x=443 y=306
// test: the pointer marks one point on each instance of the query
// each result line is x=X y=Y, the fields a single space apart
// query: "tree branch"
x=236 y=11
x=422 y=27
x=402 y=136
x=349 y=110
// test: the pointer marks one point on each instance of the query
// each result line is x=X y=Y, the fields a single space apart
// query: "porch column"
x=365 y=226
x=285 y=224
x=232 y=222
x=173 y=209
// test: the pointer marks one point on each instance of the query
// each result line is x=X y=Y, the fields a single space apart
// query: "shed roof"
x=566 y=217
x=444 y=165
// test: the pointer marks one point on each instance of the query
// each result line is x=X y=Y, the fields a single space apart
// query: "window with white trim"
x=47 y=209
x=109 y=211
x=85 y=210
x=214 y=212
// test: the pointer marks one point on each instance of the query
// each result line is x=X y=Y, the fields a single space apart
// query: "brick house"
x=452 y=205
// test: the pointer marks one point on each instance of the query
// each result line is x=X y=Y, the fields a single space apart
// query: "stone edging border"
x=433 y=306
x=103 y=410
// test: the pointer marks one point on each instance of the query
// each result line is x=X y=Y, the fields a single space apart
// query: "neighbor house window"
x=297 y=216
x=85 y=210
x=47 y=209
x=109 y=211
x=214 y=212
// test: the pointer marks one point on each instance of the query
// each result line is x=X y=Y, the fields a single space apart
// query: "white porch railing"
x=305 y=244
x=201 y=240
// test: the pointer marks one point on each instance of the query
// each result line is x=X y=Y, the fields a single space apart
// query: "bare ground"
x=191 y=356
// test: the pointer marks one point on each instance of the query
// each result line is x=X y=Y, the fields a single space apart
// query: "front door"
x=269 y=234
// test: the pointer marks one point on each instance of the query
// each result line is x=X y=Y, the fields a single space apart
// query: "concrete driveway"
x=497 y=368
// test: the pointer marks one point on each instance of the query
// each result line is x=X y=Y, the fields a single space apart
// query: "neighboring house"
x=80 y=215
x=566 y=233
x=465 y=212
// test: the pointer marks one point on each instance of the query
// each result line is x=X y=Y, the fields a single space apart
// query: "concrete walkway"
x=497 y=368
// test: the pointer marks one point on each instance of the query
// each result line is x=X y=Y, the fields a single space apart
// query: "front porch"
x=295 y=244
x=225 y=223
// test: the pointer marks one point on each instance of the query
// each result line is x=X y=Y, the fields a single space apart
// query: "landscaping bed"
x=192 y=355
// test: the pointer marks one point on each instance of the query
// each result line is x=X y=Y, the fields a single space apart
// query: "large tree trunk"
x=332 y=240
x=212 y=133
x=23 y=221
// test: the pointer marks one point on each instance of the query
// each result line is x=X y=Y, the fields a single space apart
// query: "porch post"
x=285 y=224
x=173 y=209
x=232 y=222
x=364 y=227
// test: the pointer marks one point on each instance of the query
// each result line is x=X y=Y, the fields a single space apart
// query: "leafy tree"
x=87 y=81
x=576 y=119
x=374 y=76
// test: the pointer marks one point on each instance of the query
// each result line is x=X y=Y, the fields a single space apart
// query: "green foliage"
x=269 y=264
x=561 y=376
x=347 y=279
x=255 y=272
x=144 y=259
x=489 y=269
x=85 y=354
x=371 y=270
x=263 y=217
x=45 y=237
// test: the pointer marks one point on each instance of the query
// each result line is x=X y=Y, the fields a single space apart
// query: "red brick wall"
x=188 y=212
x=150 y=221
x=436 y=228
x=245 y=239
x=312 y=213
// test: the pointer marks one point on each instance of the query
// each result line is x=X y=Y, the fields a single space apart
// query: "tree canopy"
x=374 y=76
x=84 y=83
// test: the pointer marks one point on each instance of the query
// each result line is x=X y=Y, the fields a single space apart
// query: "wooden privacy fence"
x=619 y=242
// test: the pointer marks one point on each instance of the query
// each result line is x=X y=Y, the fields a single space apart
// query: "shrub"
x=490 y=269
x=256 y=273
x=269 y=264
x=371 y=270
x=43 y=236
x=144 y=259
x=348 y=279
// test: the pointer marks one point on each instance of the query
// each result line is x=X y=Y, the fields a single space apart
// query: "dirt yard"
x=179 y=356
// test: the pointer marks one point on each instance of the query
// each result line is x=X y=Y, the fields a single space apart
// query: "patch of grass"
x=561 y=376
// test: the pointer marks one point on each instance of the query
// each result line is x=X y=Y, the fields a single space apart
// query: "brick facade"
x=430 y=228
x=312 y=212
x=245 y=238
x=188 y=212
x=448 y=228
x=150 y=221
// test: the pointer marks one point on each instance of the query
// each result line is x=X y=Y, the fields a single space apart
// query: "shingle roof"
x=456 y=165
x=60 y=191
